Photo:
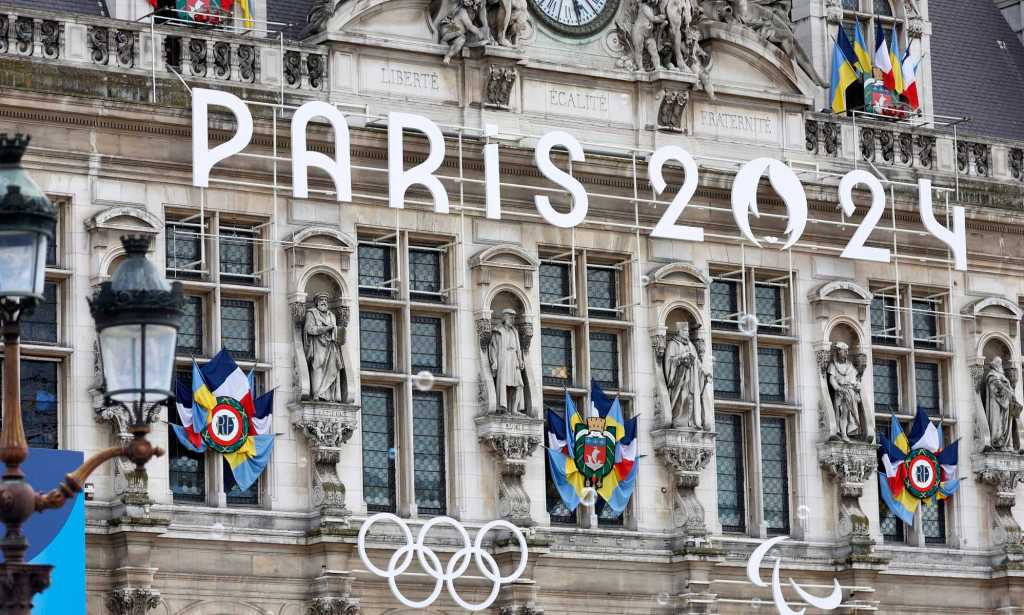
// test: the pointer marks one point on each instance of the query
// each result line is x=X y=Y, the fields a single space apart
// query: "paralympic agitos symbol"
x=828 y=603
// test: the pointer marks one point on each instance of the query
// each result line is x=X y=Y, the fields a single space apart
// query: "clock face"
x=575 y=17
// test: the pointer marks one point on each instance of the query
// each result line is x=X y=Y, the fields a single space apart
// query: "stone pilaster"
x=511 y=438
x=685 y=453
x=850 y=465
x=1002 y=472
x=327 y=426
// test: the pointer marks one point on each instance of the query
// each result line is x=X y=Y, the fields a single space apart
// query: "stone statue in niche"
x=1002 y=409
x=686 y=380
x=844 y=405
x=505 y=356
x=323 y=352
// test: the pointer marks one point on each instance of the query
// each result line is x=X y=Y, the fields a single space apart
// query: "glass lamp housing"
x=27 y=221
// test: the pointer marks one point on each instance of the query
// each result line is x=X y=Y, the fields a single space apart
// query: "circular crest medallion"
x=228 y=426
x=923 y=474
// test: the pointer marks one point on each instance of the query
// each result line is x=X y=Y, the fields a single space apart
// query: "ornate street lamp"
x=137 y=316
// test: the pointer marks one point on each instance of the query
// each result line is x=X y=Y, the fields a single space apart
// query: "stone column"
x=685 y=453
x=851 y=465
x=511 y=438
x=327 y=426
x=1002 y=472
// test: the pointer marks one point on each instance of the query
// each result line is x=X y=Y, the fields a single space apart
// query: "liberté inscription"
x=783 y=179
x=410 y=79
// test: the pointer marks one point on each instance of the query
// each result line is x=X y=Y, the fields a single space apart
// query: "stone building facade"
x=417 y=424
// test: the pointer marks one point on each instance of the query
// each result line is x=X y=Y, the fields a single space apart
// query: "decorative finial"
x=136 y=244
x=13 y=148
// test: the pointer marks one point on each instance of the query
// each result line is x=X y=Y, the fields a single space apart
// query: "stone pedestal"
x=512 y=438
x=327 y=426
x=1002 y=472
x=850 y=465
x=332 y=595
x=519 y=598
x=685 y=453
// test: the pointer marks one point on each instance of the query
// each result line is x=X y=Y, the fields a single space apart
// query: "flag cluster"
x=852 y=61
x=221 y=413
x=917 y=468
x=210 y=12
x=597 y=451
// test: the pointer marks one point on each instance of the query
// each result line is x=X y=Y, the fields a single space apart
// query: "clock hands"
x=576 y=7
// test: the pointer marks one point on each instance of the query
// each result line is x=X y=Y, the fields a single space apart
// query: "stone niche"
x=508 y=422
x=683 y=437
x=997 y=461
x=847 y=454
x=324 y=365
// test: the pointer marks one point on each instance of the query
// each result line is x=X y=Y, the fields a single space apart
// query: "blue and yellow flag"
x=896 y=59
x=843 y=73
x=860 y=49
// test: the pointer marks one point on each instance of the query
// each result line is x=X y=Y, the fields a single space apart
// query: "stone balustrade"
x=193 y=53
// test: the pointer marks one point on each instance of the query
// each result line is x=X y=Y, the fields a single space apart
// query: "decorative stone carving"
x=851 y=465
x=320 y=13
x=1017 y=163
x=327 y=426
x=332 y=595
x=886 y=141
x=247 y=63
x=124 y=46
x=99 y=43
x=845 y=412
x=197 y=56
x=1003 y=472
x=463 y=23
x=511 y=22
x=867 y=143
x=132 y=601
x=511 y=439
x=24 y=34
x=998 y=416
x=5 y=26
x=905 y=144
x=333 y=606
x=657 y=34
x=926 y=150
x=818 y=133
x=670 y=111
x=49 y=36
x=507 y=365
x=498 y=91
x=683 y=380
x=322 y=338
x=222 y=59
x=315 y=70
x=834 y=11
x=685 y=453
x=523 y=609
x=293 y=68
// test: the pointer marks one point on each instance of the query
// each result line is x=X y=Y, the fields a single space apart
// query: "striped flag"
x=882 y=60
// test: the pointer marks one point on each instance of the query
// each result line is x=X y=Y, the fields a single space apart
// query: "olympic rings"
x=445 y=575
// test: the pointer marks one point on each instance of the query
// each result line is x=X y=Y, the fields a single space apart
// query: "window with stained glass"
x=374 y=269
x=926 y=323
x=724 y=296
x=238 y=327
x=428 y=452
x=40 y=325
x=604 y=359
x=190 y=335
x=886 y=385
x=884 y=318
x=726 y=368
x=933 y=521
x=426 y=344
x=774 y=475
x=771 y=374
x=425 y=274
x=184 y=252
x=240 y=497
x=39 y=397
x=376 y=346
x=237 y=248
x=768 y=308
x=927 y=386
x=187 y=472
x=729 y=465
x=556 y=356
x=378 y=427
x=558 y=512
x=555 y=286
x=602 y=299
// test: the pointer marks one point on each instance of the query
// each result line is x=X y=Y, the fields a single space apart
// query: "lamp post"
x=137 y=316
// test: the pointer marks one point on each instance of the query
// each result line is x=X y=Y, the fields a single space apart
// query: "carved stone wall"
x=851 y=465
x=326 y=427
x=511 y=439
x=685 y=454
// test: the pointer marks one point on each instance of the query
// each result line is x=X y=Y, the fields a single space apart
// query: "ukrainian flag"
x=860 y=49
x=843 y=74
x=895 y=58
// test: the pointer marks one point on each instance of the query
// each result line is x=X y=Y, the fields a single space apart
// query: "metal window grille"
x=376 y=341
x=726 y=368
x=425 y=274
x=602 y=298
x=428 y=452
x=375 y=271
x=851 y=5
x=926 y=323
x=886 y=385
x=184 y=249
x=926 y=379
x=768 y=308
x=933 y=519
x=236 y=496
x=882 y=7
x=729 y=465
x=378 y=426
x=40 y=325
x=771 y=374
x=426 y=344
x=884 y=320
x=187 y=472
x=724 y=296
x=238 y=327
x=556 y=356
x=237 y=247
x=555 y=287
x=774 y=475
x=190 y=335
x=604 y=359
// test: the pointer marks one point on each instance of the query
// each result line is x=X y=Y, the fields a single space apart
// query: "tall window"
x=727 y=371
x=556 y=356
x=428 y=449
x=768 y=307
x=885 y=329
x=556 y=286
x=378 y=449
x=887 y=385
x=771 y=374
x=725 y=307
x=926 y=381
x=425 y=274
x=427 y=344
x=775 y=475
x=602 y=291
x=376 y=341
x=375 y=271
x=604 y=359
x=41 y=325
x=217 y=259
x=729 y=464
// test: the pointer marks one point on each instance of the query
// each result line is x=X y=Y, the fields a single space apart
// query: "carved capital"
x=512 y=438
x=851 y=464
x=132 y=601
x=686 y=453
x=333 y=606
x=327 y=426
x=520 y=610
